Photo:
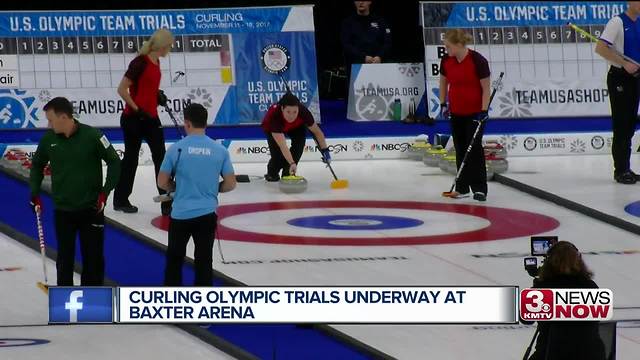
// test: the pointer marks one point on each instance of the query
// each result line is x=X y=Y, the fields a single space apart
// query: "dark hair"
x=197 y=115
x=60 y=105
x=288 y=99
x=564 y=258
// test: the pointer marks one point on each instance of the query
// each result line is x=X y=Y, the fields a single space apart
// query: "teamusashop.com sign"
x=566 y=304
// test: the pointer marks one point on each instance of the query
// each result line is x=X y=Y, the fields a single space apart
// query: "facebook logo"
x=68 y=305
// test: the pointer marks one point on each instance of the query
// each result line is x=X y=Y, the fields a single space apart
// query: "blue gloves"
x=444 y=112
x=326 y=155
x=482 y=116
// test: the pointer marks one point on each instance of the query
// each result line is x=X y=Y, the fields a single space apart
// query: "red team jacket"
x=465 y=91
x=146 y=83
x=274 y=122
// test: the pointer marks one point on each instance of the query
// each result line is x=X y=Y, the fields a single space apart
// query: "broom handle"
x=42 y=246
x=475 y=134
x=328 y=165
x=332 y=173
x=595 y=39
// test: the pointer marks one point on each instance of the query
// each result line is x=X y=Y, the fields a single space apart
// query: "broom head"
x=340 y=184
x=44 y=287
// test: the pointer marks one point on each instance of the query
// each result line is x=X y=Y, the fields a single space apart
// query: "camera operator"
x=566 y=340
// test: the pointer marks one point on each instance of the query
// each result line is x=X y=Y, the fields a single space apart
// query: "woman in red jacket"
x=139 y=88
x=465 y=79
x=289 y=117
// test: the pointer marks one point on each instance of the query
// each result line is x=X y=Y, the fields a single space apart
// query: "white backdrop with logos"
x=550 y=70
x=374 y=89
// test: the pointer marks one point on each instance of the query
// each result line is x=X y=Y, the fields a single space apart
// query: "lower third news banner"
x=407 y=305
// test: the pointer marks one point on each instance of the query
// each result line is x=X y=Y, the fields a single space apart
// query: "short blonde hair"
x=458 y=36
x=159 y=40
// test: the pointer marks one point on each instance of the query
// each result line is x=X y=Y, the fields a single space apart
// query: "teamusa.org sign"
x=69 y=305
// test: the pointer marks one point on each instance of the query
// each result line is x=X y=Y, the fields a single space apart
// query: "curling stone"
x=418 y=147
x=293 y=184
x=422 y=138
x=432 y=156
x=497 y=164
x=417 y=150
x=25 y=168
x=494 y=147
x=47 y=175
x=448 y=164
x=13 y=159
x=490 y=173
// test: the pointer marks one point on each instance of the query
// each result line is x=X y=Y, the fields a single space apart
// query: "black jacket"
x=568 y=340
x=365 y=36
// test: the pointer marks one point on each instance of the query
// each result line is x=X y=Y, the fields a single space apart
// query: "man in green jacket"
x=75 y=152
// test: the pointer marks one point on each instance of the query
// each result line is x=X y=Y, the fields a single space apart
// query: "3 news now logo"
x=80 y=305
x=566 y=304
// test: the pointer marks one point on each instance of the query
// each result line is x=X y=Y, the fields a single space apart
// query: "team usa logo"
x=597 y=142
x=566 y=304
x=530 y=143
x=17 y=109
x=275 y=59
x=410 y=70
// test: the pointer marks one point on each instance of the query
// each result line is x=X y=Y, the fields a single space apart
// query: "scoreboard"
x=536 y=52
x=550 y=70
x=76 y=62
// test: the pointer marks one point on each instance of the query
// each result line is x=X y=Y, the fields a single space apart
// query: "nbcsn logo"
x=566 y=304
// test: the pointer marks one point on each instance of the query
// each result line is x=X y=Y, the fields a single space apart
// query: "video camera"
x=540 y=246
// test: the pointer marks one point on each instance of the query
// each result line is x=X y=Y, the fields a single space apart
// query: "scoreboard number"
x=524 y=35
x=70 y=45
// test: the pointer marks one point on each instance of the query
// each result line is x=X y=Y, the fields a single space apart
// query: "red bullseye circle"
x=504 y=223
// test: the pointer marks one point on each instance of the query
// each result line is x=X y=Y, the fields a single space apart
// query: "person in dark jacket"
x=365 y=37
x=289 y=117
x=139 y=88
x=465 y=88
x=567 y=340
x=75 y=152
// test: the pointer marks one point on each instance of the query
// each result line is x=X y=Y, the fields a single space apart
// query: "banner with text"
x=419 y=305
x=224 y=59
x=379 y=304
x=550 y=69
x=385 y=91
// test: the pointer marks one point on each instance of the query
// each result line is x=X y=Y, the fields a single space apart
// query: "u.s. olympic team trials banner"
x=550 y=70
x=233 y=61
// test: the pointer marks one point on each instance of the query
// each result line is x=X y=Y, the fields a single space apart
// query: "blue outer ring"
x=633 y=208
x=30 y=342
